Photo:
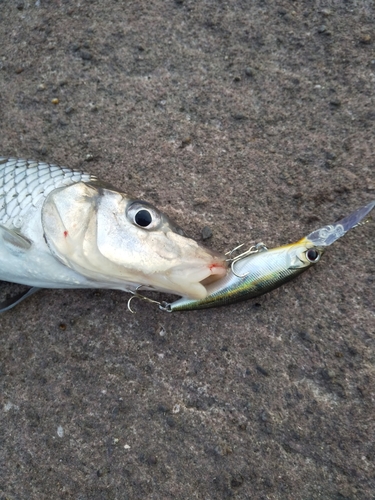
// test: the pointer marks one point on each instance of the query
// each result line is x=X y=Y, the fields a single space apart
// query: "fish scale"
x=25 y=182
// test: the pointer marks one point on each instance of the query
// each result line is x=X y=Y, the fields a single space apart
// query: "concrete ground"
x=257 y=120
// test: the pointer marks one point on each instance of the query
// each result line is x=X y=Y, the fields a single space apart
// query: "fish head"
x=122 y=242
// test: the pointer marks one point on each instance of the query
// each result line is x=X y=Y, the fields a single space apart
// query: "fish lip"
x=192 y=282
x=218 y=271
x=218 y=267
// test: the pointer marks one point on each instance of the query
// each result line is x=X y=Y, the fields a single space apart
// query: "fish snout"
x=217 y=268
x=190 y=280
x=196 y=267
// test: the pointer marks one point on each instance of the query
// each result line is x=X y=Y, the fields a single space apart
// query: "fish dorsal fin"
x=66 y=216
x=14 y=240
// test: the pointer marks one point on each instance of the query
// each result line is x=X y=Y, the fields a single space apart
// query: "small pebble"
x=152 y=460
x=201 y=201
x=206 y=233
x=330 y=155
x=10 y=406
x=176 y=408
x=236 y=481
x=249 y=72
x=85 y=55
x=262 y=370
x=335 y=103
x=55 y=101
x=186 y=141
x=365 y=39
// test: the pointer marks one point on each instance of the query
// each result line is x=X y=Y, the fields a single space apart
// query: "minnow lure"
x=61 y=228
x=260 y=270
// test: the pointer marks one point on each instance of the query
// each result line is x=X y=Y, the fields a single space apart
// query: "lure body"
x=61 y=228
x=264 y=270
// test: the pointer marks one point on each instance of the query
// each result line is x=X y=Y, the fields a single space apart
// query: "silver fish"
x=260 y=270
x=62 y=228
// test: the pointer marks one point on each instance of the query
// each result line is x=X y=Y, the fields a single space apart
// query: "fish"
x=260 y=270
x=64 y=228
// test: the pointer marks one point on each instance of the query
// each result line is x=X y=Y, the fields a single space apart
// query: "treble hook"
x=232 y=251
x=137 y=295
x=259 y=247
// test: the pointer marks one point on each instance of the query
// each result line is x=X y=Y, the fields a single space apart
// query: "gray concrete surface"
x=256 y=119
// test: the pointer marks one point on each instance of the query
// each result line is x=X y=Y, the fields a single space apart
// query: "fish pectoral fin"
x=13 y=301
x=14 y=240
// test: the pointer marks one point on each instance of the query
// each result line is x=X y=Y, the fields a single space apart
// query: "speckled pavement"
x=250 y=121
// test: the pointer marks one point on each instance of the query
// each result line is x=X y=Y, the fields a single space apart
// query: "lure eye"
x=144 y=215
x=312 y=255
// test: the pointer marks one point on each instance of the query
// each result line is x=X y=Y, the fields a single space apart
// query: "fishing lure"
x=260 y=270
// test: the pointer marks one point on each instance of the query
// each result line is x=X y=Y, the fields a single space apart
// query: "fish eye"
x=144 y=215
x=312 y=255
x=143 y=218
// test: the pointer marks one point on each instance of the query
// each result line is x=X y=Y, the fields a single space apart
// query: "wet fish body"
x=61 y=228
x=264 y=270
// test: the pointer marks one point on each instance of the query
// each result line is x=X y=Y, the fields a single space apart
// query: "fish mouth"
x=218 y=271
x=199 y=278
x=191 y=282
